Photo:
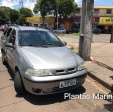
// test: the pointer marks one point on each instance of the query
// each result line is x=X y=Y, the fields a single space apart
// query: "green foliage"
x=3 y=15
x=42 y=6
x=65 y=7
x=14 y=15
x=24 y=12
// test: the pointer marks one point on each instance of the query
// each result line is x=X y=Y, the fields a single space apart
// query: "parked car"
x=60 y=30
x=97 y=31
x=41 y=62
x=74 y=30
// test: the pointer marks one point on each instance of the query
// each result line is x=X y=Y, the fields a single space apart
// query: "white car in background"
x=60 y=30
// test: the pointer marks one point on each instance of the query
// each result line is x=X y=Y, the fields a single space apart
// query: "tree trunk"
x=43 y=21
x=111 y=39
x=88 y=30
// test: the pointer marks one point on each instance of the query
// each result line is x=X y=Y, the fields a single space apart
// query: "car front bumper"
x=43 y=86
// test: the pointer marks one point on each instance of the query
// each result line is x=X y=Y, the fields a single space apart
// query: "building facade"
x=37 y=21
x=102 y=17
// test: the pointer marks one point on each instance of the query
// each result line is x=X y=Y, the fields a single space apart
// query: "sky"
x=30 y=3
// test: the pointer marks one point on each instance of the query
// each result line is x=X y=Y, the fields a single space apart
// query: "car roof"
x=24 y=28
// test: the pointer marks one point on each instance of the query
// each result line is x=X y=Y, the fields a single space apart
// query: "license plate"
x=67 y=83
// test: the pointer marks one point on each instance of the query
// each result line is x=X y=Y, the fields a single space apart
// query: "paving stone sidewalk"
x=101 y=68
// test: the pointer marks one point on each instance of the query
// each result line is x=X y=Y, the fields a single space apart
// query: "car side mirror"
x=65 y=43
x=9 y=45
x=3 y=38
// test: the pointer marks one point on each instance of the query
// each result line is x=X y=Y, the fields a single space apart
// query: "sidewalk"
x=101 y=67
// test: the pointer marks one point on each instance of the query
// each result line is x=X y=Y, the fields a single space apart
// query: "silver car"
x=41 y=62
x=60 y=30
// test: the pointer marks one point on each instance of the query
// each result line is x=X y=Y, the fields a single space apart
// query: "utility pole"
x=82 y=27
x=88 y=30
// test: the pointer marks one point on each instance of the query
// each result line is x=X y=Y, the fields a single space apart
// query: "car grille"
x=65 y=71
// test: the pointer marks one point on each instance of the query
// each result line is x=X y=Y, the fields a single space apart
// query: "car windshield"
x=39 y=39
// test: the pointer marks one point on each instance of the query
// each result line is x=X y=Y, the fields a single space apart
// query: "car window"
x=38 y=38
x=5 y=32
x=13 y=32
x=3 y=36
x=12 y=37
x=8 y=34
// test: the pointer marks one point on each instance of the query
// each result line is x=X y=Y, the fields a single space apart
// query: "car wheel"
x=4 y=59
x=18 y=84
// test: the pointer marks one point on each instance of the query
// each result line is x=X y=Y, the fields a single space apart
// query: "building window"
x=109 y=11
x=96 y=11
x=77 y=11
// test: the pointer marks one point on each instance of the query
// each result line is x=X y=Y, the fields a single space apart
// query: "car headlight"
x=81 y=67
x=38 y=72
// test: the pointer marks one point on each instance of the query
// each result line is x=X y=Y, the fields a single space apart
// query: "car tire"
x=4 y=59
x=18 y=84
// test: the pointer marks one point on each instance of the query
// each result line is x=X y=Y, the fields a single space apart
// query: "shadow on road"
x=10 y=72
x=53 y=98
x=111 y=77
x=109 y=106
x=103 y=65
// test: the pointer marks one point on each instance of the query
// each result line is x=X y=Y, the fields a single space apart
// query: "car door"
x=5 y=37
x=11 y=51
x=3 y=40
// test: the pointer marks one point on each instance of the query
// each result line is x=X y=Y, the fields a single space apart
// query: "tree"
x=14 y=15
x=65 y=7
x=24 y=12
x=3 y=15
x=42 y=6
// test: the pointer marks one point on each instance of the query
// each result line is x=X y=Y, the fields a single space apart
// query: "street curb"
x=106 y=85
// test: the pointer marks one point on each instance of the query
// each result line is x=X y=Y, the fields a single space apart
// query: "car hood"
x=52 y=57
